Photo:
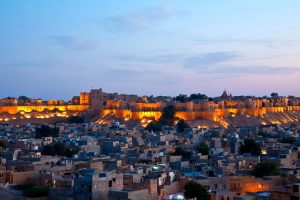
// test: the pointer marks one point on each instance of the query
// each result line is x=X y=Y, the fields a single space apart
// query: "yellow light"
x=27 y=116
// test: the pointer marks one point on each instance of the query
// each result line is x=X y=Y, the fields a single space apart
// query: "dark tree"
x=31 y=191
x=154 y=126
x=193 y=189
x=3 y=144
x=215 y=134
x=250 y=146
x=76 y=120
x=274 y=94
x=197 y=96
x=168 y=116
x=179 y=151
x=68 y=152
x=49 y=150
x=262 y=133
x=288 y=140
x=181 y=125
x=46 y=131
x=181 y=98
x=266 y=169
x=203 y=148
x=24 y=98
x=59 y=149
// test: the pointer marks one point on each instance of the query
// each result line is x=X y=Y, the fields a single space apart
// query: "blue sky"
x=57 y=48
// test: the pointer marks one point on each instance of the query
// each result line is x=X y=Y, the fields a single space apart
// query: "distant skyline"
x=55 y=49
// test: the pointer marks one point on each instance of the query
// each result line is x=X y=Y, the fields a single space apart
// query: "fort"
x=13 y=110
x=132 y=107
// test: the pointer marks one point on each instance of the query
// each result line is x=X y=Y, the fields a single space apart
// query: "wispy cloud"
x=267 y=42
x=219 y=63
x=156 y=59
x=210 y=59
x=260 y=70
x=140 y=20
x=73 y=42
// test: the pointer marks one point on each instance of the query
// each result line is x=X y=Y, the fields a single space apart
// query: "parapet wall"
x=12 y=110
x=214 y=115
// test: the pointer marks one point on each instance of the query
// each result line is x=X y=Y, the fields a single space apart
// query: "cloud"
x=154 y=59
x=73 y=42
x=267 y=42
x=261 y=70
x=209 y=59
x=140 y=20
x=217 y=63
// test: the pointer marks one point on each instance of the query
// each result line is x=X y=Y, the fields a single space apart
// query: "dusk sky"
x=57 y=48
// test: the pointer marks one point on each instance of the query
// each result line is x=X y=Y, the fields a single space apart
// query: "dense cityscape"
x=103 y=145
x=149 y=100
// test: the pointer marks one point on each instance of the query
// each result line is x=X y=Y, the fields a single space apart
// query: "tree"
x=197 y=96
x=181 y=98
x=46 y=131
x=168 y=116
x=3 y=144
x=250 y=146
x=203 y=148
x=24 y=98
x=180 y=151
x=274 y=94
x=76 y=120
x=31 y=191
x=154 y=126
x=181 y=125
x=288 y=140
x=167 y=119
x=193 y=189
x=266 y=169
x=59 y=149
x=69 y=152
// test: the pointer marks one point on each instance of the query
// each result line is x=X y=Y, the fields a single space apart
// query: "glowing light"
x=27 y=116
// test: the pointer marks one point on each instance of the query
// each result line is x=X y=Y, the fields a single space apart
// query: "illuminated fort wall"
x=12 y=110
x=191 y=111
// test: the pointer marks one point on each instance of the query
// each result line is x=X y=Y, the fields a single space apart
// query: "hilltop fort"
x=225 y=110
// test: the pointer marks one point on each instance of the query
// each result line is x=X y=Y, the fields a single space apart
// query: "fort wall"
x=12 y=110
x=214 y=115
